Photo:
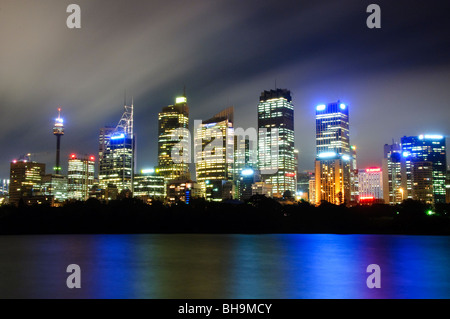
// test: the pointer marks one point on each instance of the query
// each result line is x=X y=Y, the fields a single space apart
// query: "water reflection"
x=225 y=266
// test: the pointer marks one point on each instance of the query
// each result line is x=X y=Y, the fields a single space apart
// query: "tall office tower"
x=393 y=187
x=370 y=182
x=25 y=181
x=173 y=125
x=103 y=141
x=58 y=131
x=214 y=148
x=276 y=132
x=80 y=177
x=333 y=155
x=425 y=148
x=117 y=154
x=422 y=181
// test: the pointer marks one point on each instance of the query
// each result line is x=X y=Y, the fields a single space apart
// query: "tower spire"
x=58 y=131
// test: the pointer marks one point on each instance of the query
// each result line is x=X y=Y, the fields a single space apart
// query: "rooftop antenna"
x=184 y=90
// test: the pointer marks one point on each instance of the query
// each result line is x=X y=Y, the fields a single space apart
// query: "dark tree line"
x=259 y=215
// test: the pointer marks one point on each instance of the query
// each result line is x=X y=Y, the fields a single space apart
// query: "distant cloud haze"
x=225 y=52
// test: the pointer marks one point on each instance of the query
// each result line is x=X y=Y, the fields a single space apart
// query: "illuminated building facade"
x=333 y=156
x=173 y=125
x=4 y=187
x=422 y=181
x=182 y=190
x=214 y=145
x=103 y=139
x=425 y=148
x=393 y=188
x=80 y=177
x=370 y=182
x=149 y=186
x=117 y=154
x=354 y=189
x=447 y=187
x=55 y=185
x=25 y=181
x=245 y=166
x=262 y=188
x=312 y=190
x=276 y=132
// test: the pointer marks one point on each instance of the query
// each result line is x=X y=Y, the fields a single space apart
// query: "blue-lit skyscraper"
x=333 y=155
x=116 y=154
x=424 y=157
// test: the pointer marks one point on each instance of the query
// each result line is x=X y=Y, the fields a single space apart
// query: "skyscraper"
x=276 y=157
x=25 y=181
x=117 y=154
x=214 y=153
x=333 y=156
x=370 y=182
x=416 y=151
x=354 y=180
x=80 y=176
x=393 y=188
x=173 y=125
x=58 y=131
x=103 y=139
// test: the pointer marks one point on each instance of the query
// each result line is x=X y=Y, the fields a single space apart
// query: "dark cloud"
x=225 y=52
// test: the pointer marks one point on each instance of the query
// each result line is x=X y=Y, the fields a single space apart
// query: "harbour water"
x=185 y=266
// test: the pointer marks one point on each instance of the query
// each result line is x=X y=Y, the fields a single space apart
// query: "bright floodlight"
x=321 y=107
x=247 y=172
x=327 y=154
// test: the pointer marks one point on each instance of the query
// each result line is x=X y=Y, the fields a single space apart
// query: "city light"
x=180 y=100
x=321 y=107
x=72 y=156
x=434 y=137
x=327 y=155
x=148 y=171
x=247 y=172
x=406 y=154
x=430 y=137
x=289 y=174
x=366 y=198
x=342 y=106
x=92 y=158
x=369 y=170
x=118 y=137
x=346 y=157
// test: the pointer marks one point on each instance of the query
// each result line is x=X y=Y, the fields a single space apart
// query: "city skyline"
x=394 y=79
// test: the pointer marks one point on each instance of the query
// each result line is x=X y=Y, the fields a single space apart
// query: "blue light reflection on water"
x=225 y=266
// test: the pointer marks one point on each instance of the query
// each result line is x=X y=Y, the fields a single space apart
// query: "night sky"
x=394 y=79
